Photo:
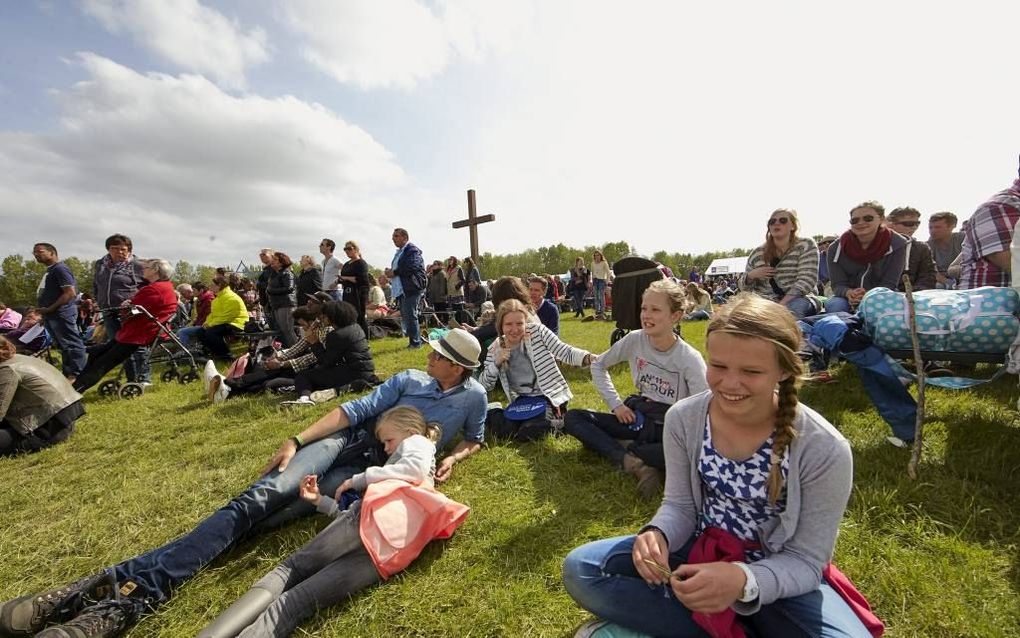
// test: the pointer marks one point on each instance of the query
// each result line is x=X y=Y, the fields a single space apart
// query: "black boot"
x=27 y=615
x=242 y=613
x=107 y=619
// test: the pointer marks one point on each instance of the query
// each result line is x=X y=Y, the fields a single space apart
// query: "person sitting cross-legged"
x=332 y=448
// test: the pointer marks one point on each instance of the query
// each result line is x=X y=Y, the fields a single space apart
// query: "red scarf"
x=879 y=246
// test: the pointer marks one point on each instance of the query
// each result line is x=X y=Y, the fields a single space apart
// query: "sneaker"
x=898 y=442
x=104 y=620
x=26 y=615
x=208 y=374
x=218 y=390
x=305 y=400
x=321 y=396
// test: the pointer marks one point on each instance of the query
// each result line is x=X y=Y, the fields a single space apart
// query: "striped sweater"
x=796 y=274
x=543 y=348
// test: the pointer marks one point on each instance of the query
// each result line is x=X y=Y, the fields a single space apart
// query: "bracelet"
x=297 y=441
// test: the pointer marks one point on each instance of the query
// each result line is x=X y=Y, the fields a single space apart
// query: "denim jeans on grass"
x=837 y=304
x=601 y=578
x=801 y=307
x=409 y=307
x=63 y=325
x=136 y=368
x=188 y=334
x=600 y=296
x=161 y=570
x=599 y=431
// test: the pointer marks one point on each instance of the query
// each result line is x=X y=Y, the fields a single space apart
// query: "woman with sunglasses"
x=354 y=281
x=867 y=256
x=785 y=268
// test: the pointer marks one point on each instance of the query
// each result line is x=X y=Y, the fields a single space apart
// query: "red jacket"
x=159 y=299
x=203 y=306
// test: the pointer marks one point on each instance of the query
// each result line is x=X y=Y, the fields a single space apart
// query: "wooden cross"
x=472 y=223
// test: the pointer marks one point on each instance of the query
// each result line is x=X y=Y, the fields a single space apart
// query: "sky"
x=206 y=130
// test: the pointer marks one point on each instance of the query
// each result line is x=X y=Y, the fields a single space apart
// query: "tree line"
x=20 y=276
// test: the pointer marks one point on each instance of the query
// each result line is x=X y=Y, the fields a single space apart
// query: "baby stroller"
x=183 y=359
x=631 y=276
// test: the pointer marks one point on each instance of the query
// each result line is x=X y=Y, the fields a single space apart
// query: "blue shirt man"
x=57 y=304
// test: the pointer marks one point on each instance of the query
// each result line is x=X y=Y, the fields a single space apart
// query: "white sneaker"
x=321 y=396
x=208 y=373
x=305 y=400
x=897 y=441
x=218 y=390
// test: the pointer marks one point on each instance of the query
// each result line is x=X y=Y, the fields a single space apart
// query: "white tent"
x=727 y=266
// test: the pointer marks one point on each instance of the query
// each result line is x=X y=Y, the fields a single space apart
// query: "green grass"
x=937 y=556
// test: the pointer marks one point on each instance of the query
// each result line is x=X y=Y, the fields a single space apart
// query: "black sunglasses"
x=863 y=218
x=778 y=220
x=909 y=224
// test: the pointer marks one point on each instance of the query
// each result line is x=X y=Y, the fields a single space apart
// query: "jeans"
x=328 y=570
x=801 y=307
x=188 y=333
x=409 y=308
x=214 y=340
x=577 y=296
x=601 y=578
x=337 y=295
x=284 y=318
x=837 y=304
x=698 y=315
x=158 y=572
x=136 y=368
x=600 y=296
x=599 y=431
x=63 y=325
x=104 y=358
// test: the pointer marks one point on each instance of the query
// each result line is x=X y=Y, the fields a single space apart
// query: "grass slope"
x=937 y=557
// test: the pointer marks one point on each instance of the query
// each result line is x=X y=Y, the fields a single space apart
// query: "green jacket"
x=31 y=392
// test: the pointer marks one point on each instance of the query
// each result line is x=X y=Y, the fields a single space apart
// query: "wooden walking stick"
x=915 y=453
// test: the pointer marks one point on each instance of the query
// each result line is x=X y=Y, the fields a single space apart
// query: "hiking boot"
x=649 y=479
x=26 y=615
x=105 y=620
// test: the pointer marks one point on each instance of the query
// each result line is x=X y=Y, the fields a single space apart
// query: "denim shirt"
x=460 y=409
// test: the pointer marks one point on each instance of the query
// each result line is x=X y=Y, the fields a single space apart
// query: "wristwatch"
x=750 y=584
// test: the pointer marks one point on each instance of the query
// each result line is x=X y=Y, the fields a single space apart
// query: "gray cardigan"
x=817 y=490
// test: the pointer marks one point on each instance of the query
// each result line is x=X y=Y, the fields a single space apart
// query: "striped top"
x=543 y=348
x=796 y=272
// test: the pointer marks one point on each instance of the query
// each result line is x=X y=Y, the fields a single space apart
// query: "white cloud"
x=187 y=34
x=173 y=161
x=399 y=43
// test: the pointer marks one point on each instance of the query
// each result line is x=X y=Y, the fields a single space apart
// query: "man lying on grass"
x=333 y=449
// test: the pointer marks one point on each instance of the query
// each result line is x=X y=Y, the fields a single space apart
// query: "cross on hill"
x=472 y=222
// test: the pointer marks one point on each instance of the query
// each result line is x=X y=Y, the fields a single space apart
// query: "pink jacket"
x=399 y=519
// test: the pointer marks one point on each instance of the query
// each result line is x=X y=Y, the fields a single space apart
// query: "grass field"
x=937 y=557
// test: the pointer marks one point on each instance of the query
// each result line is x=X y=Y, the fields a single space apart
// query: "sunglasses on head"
x=867 y=219
x=909 y=224
x=778 y=220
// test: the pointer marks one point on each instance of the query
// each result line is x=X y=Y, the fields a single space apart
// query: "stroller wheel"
x=168 y=376
x=618 y=334
x=131 y=391
x=188 y=377
x=109 y=388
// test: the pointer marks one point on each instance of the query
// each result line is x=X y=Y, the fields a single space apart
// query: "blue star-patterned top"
x=736 y=492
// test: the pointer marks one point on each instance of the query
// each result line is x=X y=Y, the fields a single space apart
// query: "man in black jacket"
x=407 y=274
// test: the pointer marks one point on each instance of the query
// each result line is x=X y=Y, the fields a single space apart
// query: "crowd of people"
x=754 y=483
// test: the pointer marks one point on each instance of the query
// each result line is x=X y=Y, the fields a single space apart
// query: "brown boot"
x=649 y=479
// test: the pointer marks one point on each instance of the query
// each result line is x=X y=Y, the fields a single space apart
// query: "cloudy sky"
x=208 y=129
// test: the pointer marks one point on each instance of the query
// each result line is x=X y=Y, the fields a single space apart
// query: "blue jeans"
x=268 y=502
x=601 y=578
x=337 y=295
x=698 y=315
x=577 y=296
x=188 y=333
x=136 y=367
x=801 y=307
x=599 y=432
x=410 y=303
x=600 y=296
x=838 y=304
x=63 y=325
